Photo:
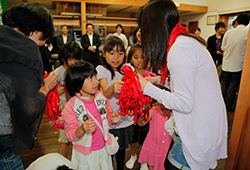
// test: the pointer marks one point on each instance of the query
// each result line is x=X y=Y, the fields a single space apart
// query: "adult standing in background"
x=61 y=39
x=120 y=33
x=90 y=43
x=22 y=91
x=197 y=31
x=195 y=97
x=234 y=47
x=214 y=45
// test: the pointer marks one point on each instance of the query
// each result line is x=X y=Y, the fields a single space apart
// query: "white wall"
x=228 y=6
x=193 y=2
x=206 y=30
x=215 y=7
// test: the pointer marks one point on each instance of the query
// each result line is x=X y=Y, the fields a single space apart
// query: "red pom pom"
x=131 y=100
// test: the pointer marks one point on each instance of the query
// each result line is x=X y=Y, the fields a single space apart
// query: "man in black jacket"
x=61 y=39
x=214 y=45
x=90 y=43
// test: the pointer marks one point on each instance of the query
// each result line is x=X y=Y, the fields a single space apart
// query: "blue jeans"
x=9 y=159
x=176 y=156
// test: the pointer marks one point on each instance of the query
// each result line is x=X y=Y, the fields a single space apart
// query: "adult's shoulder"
x=212 y=36
x=59 y=36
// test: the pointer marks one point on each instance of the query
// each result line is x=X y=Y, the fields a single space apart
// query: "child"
x=157 y=142
x=109 y=74
x=69 y=54
x=88 y=140
x=136 y=58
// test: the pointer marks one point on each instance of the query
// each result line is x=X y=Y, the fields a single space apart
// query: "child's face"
x=72 y=61
x=138 y=59
x=138 y=35
x=114 y=57
x=90 y=86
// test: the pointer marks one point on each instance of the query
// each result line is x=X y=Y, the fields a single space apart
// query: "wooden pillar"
x=239 y=147
x=83 y=17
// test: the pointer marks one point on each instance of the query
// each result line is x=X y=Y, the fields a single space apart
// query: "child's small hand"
x=141 y=122
x=115 y=118
x=118 y=85
x=89 y=126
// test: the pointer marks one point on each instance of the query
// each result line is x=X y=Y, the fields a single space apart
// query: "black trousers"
x=230 y=83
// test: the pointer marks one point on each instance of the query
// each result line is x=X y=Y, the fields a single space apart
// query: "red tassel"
x=52 y=106
x=131 y=100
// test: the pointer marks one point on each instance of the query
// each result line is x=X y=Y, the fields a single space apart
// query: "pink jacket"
x=157 y=142
x=74 y=118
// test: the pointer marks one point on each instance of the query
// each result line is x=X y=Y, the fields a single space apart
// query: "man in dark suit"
x=90 y=43
x=62 y=39
x=214 y=45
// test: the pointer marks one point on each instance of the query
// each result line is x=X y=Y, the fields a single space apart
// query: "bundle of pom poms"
x=52 y=106
x=131 y=99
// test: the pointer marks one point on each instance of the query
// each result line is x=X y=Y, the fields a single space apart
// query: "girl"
x=109 y=74
x=88 y=152
x=157 y=142
x=69 y=54
x=136 y=58
x=137 y=39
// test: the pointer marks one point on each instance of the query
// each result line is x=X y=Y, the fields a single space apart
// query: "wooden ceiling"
x=117 y=6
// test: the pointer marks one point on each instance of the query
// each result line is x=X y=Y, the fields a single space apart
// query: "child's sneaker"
x=131 y=162
x=144 y=166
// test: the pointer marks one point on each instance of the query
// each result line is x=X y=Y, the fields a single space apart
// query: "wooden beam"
x=124 y=9
x=192 y=8
x=83 y=17
x=238 y=151
x=113 y=23
x=110 y=2
x=66 y=22
x=110 y=18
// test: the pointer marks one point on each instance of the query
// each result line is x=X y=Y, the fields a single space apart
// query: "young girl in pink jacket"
x=89 y=151
x=157 y=142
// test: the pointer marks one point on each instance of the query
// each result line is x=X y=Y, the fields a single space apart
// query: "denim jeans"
x=176 y=156
x=9 y=159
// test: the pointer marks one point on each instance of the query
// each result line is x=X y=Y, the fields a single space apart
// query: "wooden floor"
x=47 y=142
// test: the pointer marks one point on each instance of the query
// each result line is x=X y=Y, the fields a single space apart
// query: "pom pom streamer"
x=52 y=105
x=131 y=99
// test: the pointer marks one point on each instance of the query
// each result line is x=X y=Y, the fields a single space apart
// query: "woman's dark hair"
x=109 y=44
x=218 y=25
x=70 y=50
x=164 y=16
x=134 y=35
x=76 y=74
x=132 y=50
x=31 y=17
x=243 y=19
x=197 y=29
